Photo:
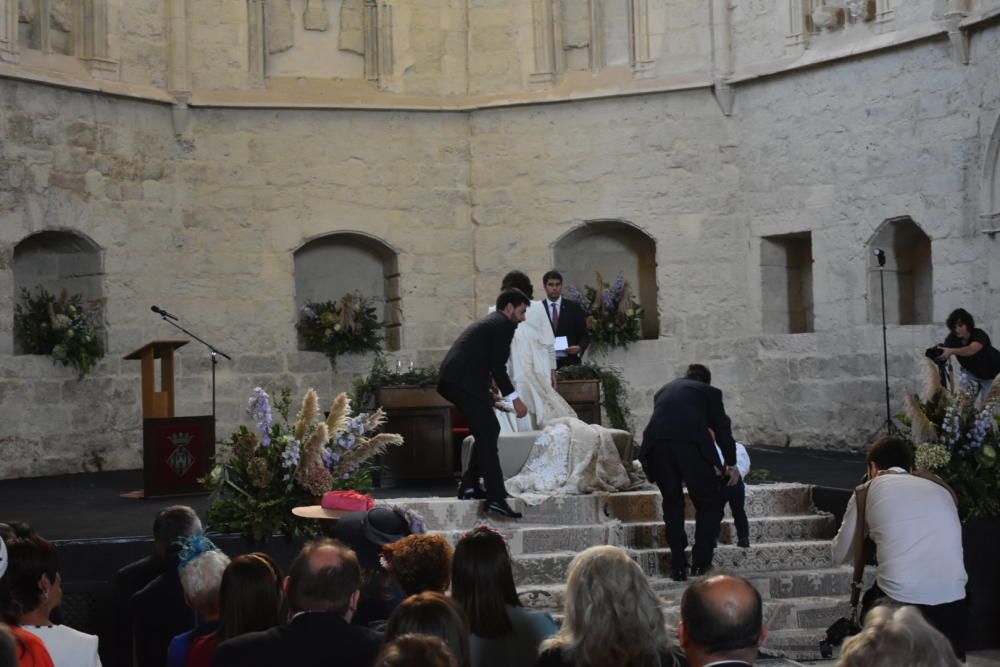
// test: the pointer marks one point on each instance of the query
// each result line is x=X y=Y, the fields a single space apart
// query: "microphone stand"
x=213 y=351
x=890 y=427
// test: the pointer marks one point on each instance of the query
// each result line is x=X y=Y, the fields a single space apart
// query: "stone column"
x=797 y=39
x=177 y=48
x=93 y=41
x=371 y=41
x=9 y=51
x=638 y=35
x=722 y=54
x=885 y=13
x=958 y=10
x=544 y=30
x=596 y=35
x=41 y=37
x=255 y=42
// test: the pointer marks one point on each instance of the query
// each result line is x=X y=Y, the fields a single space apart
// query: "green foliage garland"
x=63 y=328
x=350 y=325
x=366 y=388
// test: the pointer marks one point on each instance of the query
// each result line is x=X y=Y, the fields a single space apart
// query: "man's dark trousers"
x=674 y=463
x=950 y=618
x=485 y=429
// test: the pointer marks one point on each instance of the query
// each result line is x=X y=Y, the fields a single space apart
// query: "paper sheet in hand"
x=562 y=343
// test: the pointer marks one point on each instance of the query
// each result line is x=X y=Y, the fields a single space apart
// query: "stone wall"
x=204 y=221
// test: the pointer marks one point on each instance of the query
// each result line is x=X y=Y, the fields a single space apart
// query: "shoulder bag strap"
x=931 y=477
x=860 y=533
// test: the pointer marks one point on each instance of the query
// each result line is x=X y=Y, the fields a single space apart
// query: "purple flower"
x=575 y=295
x=619 y=286
x=290 y=458
x=309 y=312
x=260 y=412
x=607 y=300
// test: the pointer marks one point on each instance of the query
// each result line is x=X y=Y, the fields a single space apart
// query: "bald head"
x=323 y=577
x=722 y=616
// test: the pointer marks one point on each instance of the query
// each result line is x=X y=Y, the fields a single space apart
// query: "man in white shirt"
x=918 y=537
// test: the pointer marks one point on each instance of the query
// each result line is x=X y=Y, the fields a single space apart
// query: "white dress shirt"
x=915 y=526
x=68 y=647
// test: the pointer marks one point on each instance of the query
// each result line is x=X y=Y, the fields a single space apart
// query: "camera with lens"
x=933 y=353
x=842 y=628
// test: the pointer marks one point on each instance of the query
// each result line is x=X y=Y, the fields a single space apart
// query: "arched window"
x=607 y=247
x=908 y=273
x=330 y=266
x=989 y=214
x=57 y=261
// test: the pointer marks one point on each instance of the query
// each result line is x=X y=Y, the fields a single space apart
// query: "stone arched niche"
x=57 y=261
x=908 y=273
x=330 y=266
x=607 y=247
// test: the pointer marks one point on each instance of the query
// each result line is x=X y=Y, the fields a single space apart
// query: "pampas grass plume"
x=310 y=408
x=340 y=414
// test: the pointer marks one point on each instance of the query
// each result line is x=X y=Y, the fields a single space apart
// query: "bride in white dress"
x=569 y=456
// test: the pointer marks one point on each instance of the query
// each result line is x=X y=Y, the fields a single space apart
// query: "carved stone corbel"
x=9 y=51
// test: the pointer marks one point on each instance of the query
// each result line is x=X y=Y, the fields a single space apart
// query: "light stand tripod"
x=890 y=427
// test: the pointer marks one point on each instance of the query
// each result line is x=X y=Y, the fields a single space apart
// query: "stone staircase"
x=789 y=561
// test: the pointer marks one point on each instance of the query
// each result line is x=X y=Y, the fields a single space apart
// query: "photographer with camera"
x=912 y=517
x=971 y=346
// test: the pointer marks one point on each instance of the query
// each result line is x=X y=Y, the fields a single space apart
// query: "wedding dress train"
x=569 y=456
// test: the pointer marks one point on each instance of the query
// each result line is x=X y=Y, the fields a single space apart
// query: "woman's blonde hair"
x=613 y=617
x=894 y=637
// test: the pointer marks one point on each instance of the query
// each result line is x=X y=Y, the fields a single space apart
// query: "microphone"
x=879 y=255
x=159 y=311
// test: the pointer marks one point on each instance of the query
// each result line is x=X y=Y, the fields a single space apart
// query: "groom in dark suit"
x=567 y=319
x=677 y=447
x=477 y=358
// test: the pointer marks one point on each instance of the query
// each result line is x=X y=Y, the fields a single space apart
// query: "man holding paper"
x=569 y=322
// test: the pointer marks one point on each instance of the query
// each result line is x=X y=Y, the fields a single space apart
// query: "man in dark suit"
x=322 y=588
x=476 y=358
x=567 y=319
x=157 y=610
x=722 y=622
x=677 y=447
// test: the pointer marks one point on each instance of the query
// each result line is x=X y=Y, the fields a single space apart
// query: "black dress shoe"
x=699 y=570
x=679 y=574
x=502 y=508
x=743 y=543
x=471 y=493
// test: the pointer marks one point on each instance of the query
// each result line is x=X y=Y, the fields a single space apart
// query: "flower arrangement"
x=613 y=318
x=350 y=325
x=263 y=472
x=63 y=327
x=958 y=441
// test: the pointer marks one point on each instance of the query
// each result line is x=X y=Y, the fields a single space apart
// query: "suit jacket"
x=683 y=413
x=159 y=614
x=572 y=323
x=480 y=353
x=312 y=639
x=127 y=582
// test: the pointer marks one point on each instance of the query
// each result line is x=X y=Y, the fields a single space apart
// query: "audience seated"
x=613 y=617
x=504 y=634
x=201 y=568
x=416 y=651
x=8 y=651
x=249 y=601
x=435 y=614
x=171 y=524
x=28 y=649
x=366 y=533
x=323 y=589
x=158 y=610
x=35 y=590
x=721 y=622
x=420 y=563
x=897 y=636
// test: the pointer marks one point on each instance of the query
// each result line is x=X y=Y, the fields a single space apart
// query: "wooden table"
x=423 y=418
x=584 y=396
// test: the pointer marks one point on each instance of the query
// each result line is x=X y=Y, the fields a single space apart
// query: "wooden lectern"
x=176 y=451
x=157 y=404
